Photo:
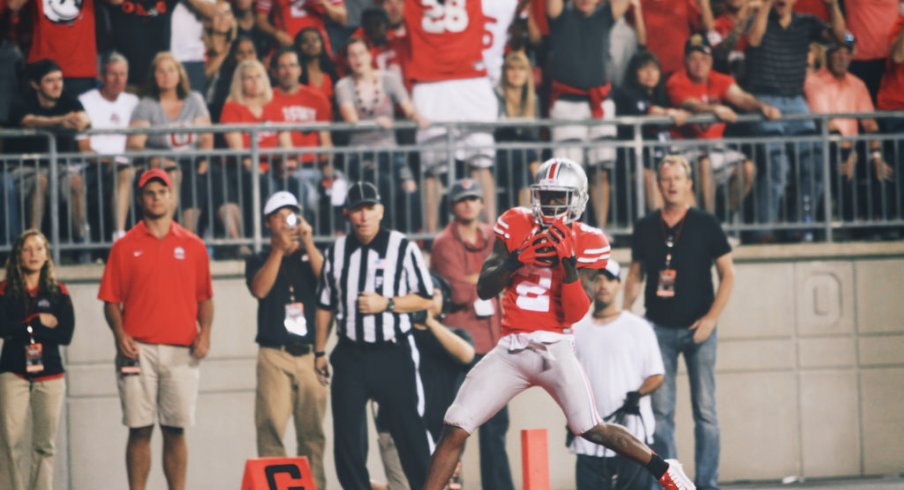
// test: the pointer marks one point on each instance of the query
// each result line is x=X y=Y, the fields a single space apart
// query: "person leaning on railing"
x=170 y=103
x=517 y=100
x=46 y=106
x=250 y=102
x=835 y=90
x=642 y=94
x=701 y=90
x=370 y=95
x=110 y=107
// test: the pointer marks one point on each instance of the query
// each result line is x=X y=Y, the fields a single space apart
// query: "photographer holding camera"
x=283 y=278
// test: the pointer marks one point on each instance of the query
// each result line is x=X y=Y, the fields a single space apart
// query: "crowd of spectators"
x=197 y=62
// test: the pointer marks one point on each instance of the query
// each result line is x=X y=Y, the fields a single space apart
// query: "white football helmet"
x=563 y=182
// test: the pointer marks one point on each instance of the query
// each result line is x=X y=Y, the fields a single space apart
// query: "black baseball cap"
x=362 y=193
x=697 y=42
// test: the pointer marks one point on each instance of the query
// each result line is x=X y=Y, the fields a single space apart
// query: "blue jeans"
x=700 y=360
x=773 y=178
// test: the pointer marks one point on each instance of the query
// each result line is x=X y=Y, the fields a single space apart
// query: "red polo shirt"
x=159 y=283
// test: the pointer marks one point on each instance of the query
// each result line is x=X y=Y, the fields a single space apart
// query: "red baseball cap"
x=155 y=173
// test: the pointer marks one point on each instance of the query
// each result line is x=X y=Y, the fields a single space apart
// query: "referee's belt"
x=296 y=350
x=393 y=343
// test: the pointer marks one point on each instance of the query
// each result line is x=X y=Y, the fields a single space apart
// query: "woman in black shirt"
x=643 y=94
x=36 y=317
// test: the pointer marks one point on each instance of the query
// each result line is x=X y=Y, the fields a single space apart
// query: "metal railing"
x=757 y=186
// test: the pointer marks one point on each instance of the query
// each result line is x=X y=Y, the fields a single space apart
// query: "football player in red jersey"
x=539 y=259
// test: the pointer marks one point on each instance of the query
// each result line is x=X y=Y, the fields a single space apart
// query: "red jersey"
x=533 y=299
x=444 y=40
x=304 y=106
x=680 y=88
x=891 y=88
x=292 y=16
x=236 y=113
x=64 y=33
x=672 y=21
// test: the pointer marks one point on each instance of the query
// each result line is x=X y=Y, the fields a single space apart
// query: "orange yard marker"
x=278 y=474
x=535 y=459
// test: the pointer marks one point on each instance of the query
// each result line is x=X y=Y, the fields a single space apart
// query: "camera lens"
x=292 y=220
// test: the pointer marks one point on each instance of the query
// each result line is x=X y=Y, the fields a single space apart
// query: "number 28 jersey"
x=444 y=40
x=533 y=299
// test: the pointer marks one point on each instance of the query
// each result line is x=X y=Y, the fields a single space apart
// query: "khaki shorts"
x=166 y=390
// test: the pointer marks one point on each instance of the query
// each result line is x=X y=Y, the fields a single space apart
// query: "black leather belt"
x=296 y=350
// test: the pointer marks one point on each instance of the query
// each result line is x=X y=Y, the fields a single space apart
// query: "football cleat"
x=674 y=478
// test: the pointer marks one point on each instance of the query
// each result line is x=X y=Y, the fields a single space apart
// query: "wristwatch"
x=390 y=305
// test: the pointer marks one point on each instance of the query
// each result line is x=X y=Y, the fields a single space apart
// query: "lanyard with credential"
x=294 y=321
x=667 y=276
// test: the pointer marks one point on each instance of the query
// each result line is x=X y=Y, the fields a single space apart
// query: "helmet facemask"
x=553 y=202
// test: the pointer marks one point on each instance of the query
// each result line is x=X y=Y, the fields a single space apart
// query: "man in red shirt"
x=300 y=104
x=700 y=90
x=64 y=32
x=157 y=296
x=443 y=58
x=538 y=262
x=291 y=16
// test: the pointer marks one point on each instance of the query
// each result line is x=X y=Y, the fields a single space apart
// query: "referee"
x=371 y=279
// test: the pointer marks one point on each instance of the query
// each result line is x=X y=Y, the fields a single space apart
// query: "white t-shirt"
x=618 y=357
x=186 y=42
x=105 y=114
x=498 y=15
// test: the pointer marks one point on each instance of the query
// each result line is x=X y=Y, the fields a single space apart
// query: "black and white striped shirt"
x=390 y=265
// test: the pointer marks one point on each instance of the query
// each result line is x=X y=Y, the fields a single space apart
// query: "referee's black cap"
x=362 y=193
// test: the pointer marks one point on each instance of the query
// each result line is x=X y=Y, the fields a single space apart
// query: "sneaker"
x=674 y=478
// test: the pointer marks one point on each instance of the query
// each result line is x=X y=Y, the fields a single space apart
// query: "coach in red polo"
x=157 y=295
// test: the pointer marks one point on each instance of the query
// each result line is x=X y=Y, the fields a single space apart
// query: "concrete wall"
x=810 y=378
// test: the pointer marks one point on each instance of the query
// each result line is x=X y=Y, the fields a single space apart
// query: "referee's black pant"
x=386 y=373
